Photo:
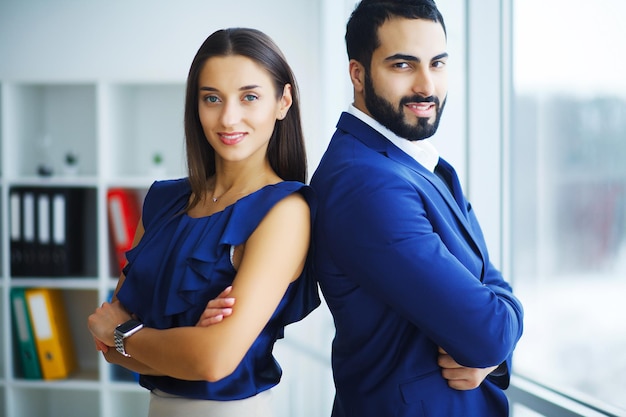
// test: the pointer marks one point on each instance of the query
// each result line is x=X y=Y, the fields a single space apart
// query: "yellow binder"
x=55 y=347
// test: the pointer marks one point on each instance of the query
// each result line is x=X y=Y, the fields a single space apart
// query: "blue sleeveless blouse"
x=182 y=262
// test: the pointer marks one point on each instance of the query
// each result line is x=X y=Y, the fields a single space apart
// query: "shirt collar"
x=423 y=151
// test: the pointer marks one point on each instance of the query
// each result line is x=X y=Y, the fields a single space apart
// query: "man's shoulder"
x=353 y=125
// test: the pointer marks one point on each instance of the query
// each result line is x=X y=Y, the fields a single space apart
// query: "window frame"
x=489 y=92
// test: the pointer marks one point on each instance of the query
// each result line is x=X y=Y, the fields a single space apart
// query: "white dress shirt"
x=422 y=151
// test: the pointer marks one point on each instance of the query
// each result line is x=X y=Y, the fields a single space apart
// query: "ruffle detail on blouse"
x=179 y=289
x=187 y=283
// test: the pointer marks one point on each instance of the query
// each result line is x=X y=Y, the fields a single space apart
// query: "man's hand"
x=460 y=377
x=217 y=309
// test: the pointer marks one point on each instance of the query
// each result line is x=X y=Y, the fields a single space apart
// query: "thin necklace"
x=218 y=197
x=215 y=199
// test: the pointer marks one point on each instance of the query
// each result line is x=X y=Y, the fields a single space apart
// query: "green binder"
x=23 y=333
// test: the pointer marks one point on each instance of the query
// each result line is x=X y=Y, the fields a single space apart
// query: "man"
x=425 y=325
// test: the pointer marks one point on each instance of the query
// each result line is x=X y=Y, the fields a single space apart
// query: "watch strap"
x=119 y=344
x=124 y=331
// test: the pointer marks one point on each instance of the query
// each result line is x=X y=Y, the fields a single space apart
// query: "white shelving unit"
x=111 y=128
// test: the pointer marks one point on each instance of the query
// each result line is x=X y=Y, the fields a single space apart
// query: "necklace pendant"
x=214 y=199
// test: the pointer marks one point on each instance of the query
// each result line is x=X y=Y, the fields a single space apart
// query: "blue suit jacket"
x=404 y=269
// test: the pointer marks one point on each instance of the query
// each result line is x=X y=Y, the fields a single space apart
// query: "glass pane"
x=569 y=195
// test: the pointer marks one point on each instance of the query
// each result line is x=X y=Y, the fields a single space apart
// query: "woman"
x=237 y=227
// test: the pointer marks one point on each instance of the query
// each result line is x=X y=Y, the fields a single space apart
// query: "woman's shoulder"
x=165 y=196
x=249 y=211
x=267 y=197
x=170 y=187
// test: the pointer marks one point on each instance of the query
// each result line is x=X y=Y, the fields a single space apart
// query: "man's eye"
x=439 y=64
x=401 y=65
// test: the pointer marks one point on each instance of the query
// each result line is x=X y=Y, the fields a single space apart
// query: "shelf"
x=114 y=129
x=44 y=122
x=136 y=115
x=87 y=283
x=54 y=400
x=82 y=380
x=74 y=181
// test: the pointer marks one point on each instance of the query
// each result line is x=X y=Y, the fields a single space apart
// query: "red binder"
x=124 y=213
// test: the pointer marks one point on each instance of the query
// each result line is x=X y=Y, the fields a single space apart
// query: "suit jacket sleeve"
x=394 y=235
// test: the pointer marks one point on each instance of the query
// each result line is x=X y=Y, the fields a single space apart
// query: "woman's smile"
x=231 y=138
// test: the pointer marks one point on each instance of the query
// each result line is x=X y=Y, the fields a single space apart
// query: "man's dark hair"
x=362 y=28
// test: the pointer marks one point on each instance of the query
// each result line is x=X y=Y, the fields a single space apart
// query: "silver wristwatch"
x=123 y=331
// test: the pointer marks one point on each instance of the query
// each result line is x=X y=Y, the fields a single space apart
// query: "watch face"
x=128 y=326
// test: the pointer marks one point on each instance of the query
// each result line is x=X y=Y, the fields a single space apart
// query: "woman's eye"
x=249 y=97
x=212 y=99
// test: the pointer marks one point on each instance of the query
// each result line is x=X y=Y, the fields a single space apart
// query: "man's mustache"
x=419 y=99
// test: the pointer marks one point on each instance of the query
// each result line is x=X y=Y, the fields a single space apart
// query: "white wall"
x=153 y=40
x=144 y=40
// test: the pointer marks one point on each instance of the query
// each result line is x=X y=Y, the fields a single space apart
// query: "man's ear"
x=357 y=75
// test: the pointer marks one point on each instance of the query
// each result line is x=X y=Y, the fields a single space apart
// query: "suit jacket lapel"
x=376 y=141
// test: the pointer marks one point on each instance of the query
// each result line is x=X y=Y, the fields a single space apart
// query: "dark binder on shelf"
x=43 y=244
x=55 y=348
x=124 y=213
x=16 y=243
x=26 y=348
x=29 y=249
x=52 y=231
x=68 y=234
x=58 y=250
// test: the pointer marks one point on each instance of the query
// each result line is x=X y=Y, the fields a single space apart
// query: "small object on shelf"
x=44 y=168
x=158 y=168
x=70 y=164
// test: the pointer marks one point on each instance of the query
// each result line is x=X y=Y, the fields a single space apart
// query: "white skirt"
x=167 y=405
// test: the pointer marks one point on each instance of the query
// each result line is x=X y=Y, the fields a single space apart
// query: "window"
x=568 y=195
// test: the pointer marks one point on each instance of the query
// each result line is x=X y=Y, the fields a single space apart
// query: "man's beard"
x=384 y=113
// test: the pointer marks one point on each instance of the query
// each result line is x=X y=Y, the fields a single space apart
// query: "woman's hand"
x=460 y=377
x=104 y=320
x=217 y=309
x=100 y=346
